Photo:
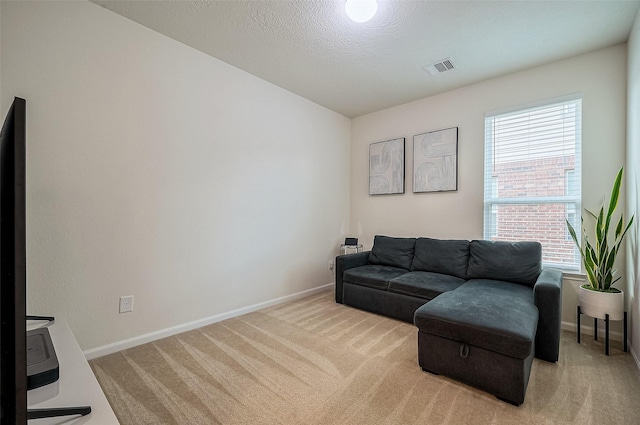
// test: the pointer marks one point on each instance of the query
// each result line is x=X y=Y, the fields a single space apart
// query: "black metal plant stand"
x=606 y=332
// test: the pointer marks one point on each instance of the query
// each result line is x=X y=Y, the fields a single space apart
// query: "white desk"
x=77 y=385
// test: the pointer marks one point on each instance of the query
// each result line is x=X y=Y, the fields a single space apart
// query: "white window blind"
x=533 y=178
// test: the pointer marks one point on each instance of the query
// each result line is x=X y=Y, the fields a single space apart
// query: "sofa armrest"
x=547 y=293
x=346 y=262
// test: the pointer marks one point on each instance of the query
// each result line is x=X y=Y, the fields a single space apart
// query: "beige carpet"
x=313 y=361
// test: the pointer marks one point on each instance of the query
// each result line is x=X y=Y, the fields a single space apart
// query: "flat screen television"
x=20 y=369
x=13 y=316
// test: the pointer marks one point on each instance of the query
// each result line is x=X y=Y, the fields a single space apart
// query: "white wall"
x=599 y=76
x=633 y=185
x=160 y=172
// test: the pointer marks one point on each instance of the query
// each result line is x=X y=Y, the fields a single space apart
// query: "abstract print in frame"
x=435 y=161
x=386 y=167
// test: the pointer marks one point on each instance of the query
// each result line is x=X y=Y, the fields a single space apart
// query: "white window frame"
x=571 y=198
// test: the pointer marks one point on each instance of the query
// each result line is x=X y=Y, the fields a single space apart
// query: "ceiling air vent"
x=440 y=67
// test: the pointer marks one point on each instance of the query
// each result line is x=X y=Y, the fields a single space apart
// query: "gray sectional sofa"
x=483 y=309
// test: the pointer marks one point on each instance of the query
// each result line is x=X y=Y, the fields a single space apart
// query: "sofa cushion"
x=494 y=315
x=441 y=256
x=395 y=252
x=518 y=262
x=373 y=276
x=425 y=285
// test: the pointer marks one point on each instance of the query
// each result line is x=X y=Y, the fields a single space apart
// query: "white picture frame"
x=435 y=161
x=386 y=167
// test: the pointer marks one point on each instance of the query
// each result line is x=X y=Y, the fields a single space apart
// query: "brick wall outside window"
x=543 y=222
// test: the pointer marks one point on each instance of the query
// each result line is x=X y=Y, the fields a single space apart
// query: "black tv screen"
x=13 y=379
x=15 y=342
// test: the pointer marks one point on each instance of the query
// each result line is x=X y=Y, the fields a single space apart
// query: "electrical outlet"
x=126 y=304
x=330 y=264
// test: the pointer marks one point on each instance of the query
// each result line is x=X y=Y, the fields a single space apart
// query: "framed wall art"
x=386 y=167
x=435 y=161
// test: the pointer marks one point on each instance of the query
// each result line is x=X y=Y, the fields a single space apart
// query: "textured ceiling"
x=311 y=48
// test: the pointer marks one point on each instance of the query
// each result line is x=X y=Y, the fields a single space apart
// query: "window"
x=533 y=177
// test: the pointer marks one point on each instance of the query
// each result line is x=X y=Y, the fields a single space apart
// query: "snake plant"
x=599 y=259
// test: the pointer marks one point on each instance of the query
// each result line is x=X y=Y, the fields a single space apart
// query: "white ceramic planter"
x=597 y=304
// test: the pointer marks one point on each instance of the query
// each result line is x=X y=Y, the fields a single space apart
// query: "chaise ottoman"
x=481 y=334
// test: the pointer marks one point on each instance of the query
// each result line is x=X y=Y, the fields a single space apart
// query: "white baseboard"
x=634 y=355
x=163 y=333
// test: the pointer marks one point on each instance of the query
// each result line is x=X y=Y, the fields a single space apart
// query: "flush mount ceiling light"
x=361 y=10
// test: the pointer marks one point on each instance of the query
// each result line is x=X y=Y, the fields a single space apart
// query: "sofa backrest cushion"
x=442 y=256
x=517 y=262
x=396 y=252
